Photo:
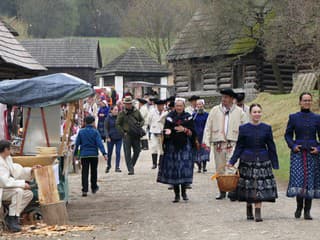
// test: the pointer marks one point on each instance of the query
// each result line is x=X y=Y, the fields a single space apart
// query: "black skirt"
x=256 y=182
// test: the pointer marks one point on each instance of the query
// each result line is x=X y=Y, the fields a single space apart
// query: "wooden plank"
x=209 y=87
x=47 y=186
x=54 y=213
x=210 y=81
x=182 y=84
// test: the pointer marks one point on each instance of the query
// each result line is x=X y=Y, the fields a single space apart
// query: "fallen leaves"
x=48 y=231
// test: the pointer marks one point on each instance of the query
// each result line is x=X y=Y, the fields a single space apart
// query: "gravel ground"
x=136 y=207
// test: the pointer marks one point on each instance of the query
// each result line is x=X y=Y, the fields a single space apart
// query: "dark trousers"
x=92 y=163
x=128 y=143
x=110 y=146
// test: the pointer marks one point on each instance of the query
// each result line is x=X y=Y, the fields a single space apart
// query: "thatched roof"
x=65 y=52
x=12 y=52
x=134 y=61
x=190 y=42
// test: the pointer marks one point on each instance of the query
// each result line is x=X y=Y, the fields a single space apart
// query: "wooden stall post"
x=53 y=210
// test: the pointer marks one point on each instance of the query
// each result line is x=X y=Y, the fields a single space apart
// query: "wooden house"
x=203 y=70
x=135 y=65
x=15 y=61
x=80 y=57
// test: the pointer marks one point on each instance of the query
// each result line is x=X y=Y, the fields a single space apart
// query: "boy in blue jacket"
x=89 y=141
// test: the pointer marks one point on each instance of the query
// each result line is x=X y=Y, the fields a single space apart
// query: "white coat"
x=12 y=175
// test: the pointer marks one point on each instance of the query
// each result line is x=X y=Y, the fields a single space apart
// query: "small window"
x=197 y=81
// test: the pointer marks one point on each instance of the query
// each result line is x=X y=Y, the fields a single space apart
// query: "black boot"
x=297 y=213
x=204 y=166
x=222 y=195
x=199 y=167
x=144 y=144
x=13 y=224
x=258 y=215
x=249 y=212
x=154 y=160
x=184 y=193
x=176 y=189
x=307 y=208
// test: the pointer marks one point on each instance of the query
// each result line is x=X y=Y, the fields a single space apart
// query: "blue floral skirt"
x=101 y=128
x=201 y=155
x=256 y=182
x=176 y=166
x=304 y=175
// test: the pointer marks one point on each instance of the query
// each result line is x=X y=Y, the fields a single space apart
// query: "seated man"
x=13 y=186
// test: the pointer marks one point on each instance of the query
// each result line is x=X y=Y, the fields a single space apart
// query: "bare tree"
x=157 y=22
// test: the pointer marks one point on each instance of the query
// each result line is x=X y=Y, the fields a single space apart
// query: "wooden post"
x=67 y=126
x=53 y=210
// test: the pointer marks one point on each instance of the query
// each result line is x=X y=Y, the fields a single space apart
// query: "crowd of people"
x=181 y=137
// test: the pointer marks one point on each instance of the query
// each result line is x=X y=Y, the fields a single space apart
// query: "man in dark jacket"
x=130 y=113
x=89 y=141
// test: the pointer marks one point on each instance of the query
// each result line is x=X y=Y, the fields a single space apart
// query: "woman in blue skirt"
x=301 y=136
x=202 y=153
x=257 y=153
x=176 y=166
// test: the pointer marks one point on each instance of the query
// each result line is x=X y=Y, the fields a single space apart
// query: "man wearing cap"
x=221 y=130
x=143 y=108
x=193 y=104
x=129 y=141
x=156 y=121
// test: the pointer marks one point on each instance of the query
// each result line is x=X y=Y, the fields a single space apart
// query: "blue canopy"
x=44 y=91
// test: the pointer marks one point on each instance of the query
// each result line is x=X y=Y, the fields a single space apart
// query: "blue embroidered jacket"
x=302 y=129
x=255 y=143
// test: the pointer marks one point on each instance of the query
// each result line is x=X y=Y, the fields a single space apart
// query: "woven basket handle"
x=237 y=170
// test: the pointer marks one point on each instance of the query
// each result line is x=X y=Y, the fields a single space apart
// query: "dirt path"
x=136 y=207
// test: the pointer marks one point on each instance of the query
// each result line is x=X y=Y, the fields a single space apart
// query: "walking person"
x=257 y=153
x=102 y=115
x=130 y=115
x=114 y=138
x=221 y=131
x=301 y=136
x=176 y=167
x=89 y=141
x=191 y=109
x=143 y=108
x=156 y=122
x=202 y=153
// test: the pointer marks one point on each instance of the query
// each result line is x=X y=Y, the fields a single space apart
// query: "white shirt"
x=226 y=120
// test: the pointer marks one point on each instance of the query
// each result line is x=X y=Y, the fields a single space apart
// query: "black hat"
x=158 y=102
x=141 y=100
x=171 y=99
x=153 y=99
x=240 y=96
x=228 y=92
x=171 y=104
x=89 y=119
x=193 y=97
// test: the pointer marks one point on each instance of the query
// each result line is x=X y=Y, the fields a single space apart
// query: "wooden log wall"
x=268 y=81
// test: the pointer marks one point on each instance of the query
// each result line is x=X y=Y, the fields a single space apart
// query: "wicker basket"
x=228 y=182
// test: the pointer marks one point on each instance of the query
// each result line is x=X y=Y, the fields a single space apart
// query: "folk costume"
x=221 y=133
x=202 y=154
x=176 y=167
x=156 y=122
x=257 y=153
x=304 y=182
x=145 y=114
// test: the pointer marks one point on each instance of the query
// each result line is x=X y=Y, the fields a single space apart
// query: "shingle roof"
x=189 y=43
x=65 y=52
x=12 y=52
x=134 y=60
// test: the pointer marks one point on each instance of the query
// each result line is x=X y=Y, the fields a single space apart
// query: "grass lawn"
x=112 y=47
x=276 y=109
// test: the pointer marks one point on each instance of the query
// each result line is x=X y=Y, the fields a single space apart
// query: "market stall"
x=42 y=141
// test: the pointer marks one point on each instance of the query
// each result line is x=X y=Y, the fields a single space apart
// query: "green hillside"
x=276 y=109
